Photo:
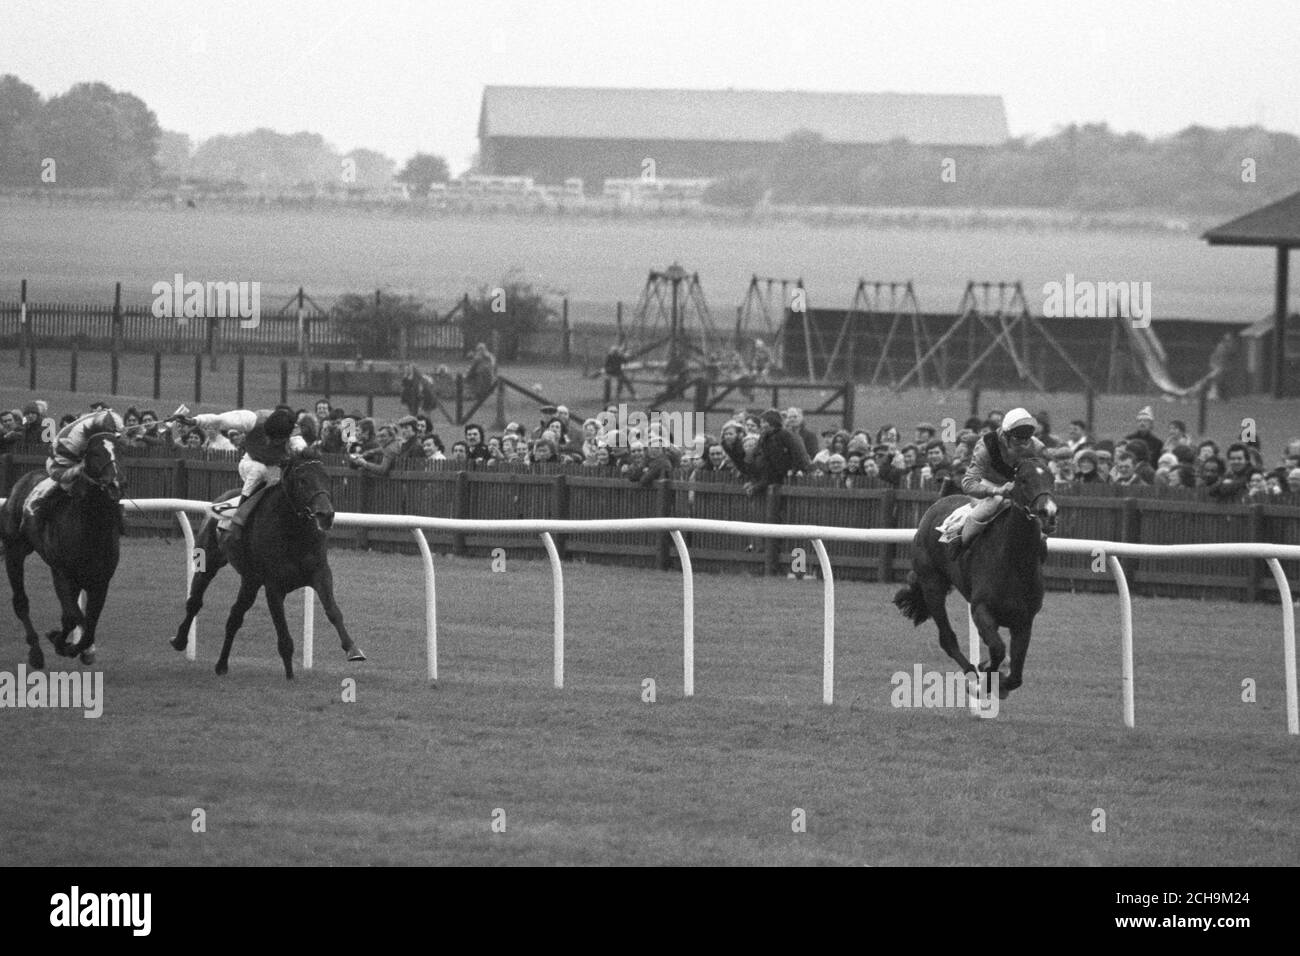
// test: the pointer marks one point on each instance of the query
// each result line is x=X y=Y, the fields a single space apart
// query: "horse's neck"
x=1025 y=536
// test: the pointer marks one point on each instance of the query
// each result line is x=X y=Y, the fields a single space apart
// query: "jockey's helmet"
x=279 y=425
x=1018 y=425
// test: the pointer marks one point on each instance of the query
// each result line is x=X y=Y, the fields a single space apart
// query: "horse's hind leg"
x=324 y=585
x=15 y=556
x=1019 y=648
x=248 y=589
x=935 y=600
x=284 y=642
x=213 y=561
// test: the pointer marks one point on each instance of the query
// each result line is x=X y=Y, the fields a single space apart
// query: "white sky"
x=405 y=76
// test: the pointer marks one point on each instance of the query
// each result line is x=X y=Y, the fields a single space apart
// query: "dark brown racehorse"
x=282 y=547
x=79 y=538
x=1000 y=573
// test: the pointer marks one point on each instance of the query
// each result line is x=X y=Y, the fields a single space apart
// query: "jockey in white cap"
x=991 y=473
x=67 y=449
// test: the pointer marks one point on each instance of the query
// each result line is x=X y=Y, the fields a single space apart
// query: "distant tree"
x=20 y=107
x=270 y=162
x=423 y=170
x=375 y=327
x=174 y=152
x=100 y=137
x=512 y=309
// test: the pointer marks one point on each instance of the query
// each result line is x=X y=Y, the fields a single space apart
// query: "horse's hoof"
x=355 y=655
x=178 y=644
x=222 y=668
x=1006 y=687
x=88 y=655
x=35 y=659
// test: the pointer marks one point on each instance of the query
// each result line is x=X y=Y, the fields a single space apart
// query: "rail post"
x=72 y=367
x=157 y=375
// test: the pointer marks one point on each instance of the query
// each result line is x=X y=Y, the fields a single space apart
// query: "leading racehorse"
x=79 y=538
x=282 y=546
x=1000 y=573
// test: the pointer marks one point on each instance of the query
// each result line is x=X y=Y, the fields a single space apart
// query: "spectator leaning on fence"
x=777 y=455
x=1235 y=482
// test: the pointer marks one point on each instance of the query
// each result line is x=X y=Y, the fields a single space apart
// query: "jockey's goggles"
x=1021 y=435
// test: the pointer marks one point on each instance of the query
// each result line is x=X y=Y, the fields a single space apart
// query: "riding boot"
x=46 y=504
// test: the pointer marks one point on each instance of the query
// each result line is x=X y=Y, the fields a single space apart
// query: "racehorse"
x=282 y=547
x=1000 y=573
x=79 y=538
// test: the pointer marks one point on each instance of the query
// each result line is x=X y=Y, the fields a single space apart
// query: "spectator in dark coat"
x=779 y=453
x=795 y=424
x=1144 y=434
x=1234 y=485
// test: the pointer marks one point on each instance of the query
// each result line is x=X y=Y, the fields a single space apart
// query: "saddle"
x=237 y=515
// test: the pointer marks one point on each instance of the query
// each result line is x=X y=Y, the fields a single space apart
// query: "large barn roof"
x=753 y=116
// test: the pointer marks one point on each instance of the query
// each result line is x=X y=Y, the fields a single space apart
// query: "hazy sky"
x=406 y=76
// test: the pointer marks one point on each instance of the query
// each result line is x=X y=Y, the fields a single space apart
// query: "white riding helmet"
x=1017 y=418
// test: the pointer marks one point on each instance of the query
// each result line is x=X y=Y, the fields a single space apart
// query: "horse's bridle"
x=305 y=511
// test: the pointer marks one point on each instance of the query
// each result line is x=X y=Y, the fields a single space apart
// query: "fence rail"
x=445 y=489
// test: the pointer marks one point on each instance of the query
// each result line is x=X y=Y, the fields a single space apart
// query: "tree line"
x=1089 y=167
x=93 y=136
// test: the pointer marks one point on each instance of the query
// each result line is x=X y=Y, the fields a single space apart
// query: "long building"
x=554 y=133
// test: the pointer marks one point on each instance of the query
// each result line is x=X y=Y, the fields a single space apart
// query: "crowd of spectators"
x=756 y=449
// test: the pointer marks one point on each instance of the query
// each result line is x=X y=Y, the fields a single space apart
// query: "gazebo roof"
x=1277 y=224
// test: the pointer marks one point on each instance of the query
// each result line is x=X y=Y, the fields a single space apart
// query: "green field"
x=409 y=774
x=76 y=253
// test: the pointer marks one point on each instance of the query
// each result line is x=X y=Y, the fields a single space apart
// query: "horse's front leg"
x=284 y=642
x=95 y=598
x=323 y=583
x=1019 y=648
x=69 y=597
x=16 y=552
x=988 y=629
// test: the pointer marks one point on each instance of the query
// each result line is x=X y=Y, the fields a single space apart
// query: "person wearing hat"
x=1085 y=467
x=32 y=426
x=268 y=441
x=1145 y=435
x=924 y=432
x=778 y=454
x=991 y=474
x=615 y=377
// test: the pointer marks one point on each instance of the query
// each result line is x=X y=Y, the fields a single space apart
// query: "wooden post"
x=1202 y=410
x=560 y=509
x=772 y=546
x=239 y=382
x=72 y=367
x=31 y=369
x=302 y=325
x=198 y=378
x=117 y=322
x=1130 y=533
x=113 y=369
x=1258 y=532
x=974 y=401
x=370 y=405
x=460 y=399
x=284 y=381
x=157 y=375
x=213 y=331
x=618 y=321
x=850 y=398
x=664 y=509
x=888 y=519
x=1279 y=325
x=1090 y=407
x=501 y=405
x=327 y=381
x=25 y=341
x=565 y=333
x=460 y=509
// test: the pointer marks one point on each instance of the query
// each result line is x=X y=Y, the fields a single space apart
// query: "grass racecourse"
x=289 y=773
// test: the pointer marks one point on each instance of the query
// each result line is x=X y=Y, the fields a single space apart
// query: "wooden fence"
x=444 y=489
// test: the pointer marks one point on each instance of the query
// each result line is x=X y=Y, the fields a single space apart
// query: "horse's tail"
x=911 y=601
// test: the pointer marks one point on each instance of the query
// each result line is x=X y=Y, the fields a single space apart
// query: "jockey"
x=268 y=440
x=991 y=473
x=64 y=463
